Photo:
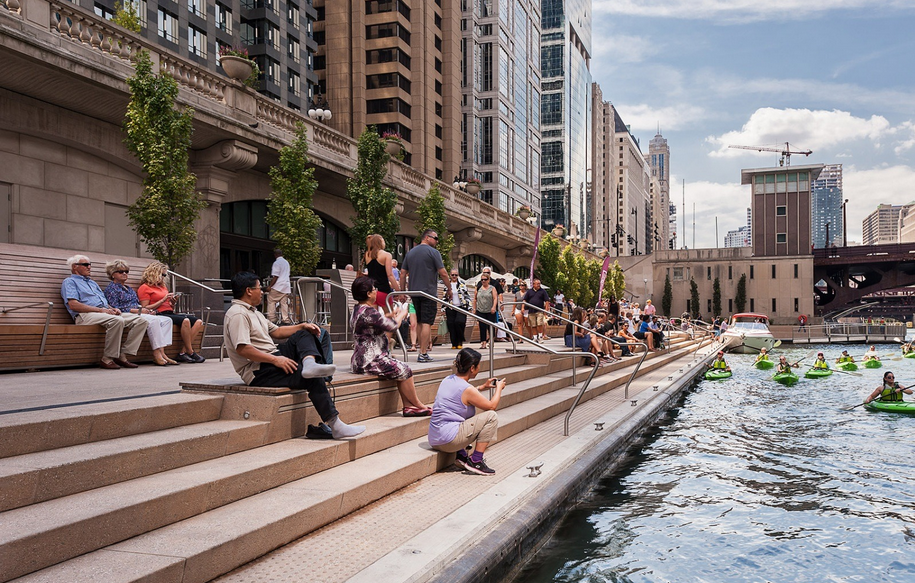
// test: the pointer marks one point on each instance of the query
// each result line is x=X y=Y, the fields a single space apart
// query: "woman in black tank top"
x=378 y=264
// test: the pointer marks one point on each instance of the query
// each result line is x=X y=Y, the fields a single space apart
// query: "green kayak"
x=910 y=354
x=764 y=364
x=817 y=373
x=786 y=378
x=717 y=375
x=847 y=366
x=891 y=407
x=872 y=363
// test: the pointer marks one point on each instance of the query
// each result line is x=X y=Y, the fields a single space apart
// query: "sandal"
x=417 y=412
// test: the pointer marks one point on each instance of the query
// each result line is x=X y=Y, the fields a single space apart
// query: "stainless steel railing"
x=47 y=320
x=300 y=289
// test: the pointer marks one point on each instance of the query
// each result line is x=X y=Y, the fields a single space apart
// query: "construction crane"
x=786 y=152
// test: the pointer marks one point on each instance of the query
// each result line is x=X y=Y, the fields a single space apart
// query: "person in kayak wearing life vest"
x=906 y=348
x=784 y=365
x=871 y=353
x=889 y=391
x=719 y=363
x=820 y=363
x=763 y=355
x=846 y=357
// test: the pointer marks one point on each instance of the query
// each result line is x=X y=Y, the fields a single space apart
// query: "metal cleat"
x=635 y=402
x=535 y=470
x=655 y=388
x=598 y=426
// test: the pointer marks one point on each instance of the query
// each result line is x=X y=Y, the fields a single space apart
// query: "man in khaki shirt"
x=300 y=363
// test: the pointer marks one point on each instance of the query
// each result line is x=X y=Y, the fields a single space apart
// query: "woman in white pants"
x=123 y=297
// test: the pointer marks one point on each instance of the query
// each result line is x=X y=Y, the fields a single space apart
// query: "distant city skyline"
x=833 y=80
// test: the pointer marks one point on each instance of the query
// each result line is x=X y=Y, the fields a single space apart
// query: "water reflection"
x=753 y=481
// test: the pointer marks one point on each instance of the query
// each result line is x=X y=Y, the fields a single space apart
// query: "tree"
x=431 y=212
x=716 y=298
x=568 y=278
x=125 y=14
x=740 y=298
x=693 y=297
x=548 y=261
x=374 y=203
x=160 y=137
x=293 y=224
x=668 y=298
x=615 y=284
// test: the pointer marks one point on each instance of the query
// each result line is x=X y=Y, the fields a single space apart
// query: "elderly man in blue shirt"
x=87 y=304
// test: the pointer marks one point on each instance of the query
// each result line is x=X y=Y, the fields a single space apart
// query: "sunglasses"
x=122 y=271
x=485 y=279
x=435 y=237
x=83 y=264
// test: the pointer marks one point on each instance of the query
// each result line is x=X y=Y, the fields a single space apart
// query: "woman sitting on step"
x=455 y=422
x=370 y=348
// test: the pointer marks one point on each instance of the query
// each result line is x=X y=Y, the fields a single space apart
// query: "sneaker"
x=197 y=358
x=424 y=358
x=479 y=467
x=461 y=460
x=183 y=357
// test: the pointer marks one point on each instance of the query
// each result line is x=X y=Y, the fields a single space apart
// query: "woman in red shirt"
x=154 y=295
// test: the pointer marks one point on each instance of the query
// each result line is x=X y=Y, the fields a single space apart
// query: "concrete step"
x=54 y=428
x=208 y=518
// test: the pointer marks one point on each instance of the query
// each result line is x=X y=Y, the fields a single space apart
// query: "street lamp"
x=319 y=109
x=844 y=224
x=635 y=211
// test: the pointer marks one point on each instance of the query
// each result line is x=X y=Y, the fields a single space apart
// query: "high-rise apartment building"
x=738 y=237
x=659 y=160
x=826 y=200
x=566 y=113
x=633 y=210
x=672 y=227
x=500 y=107
x=277 y=35
x=396 y=65
x=882 y=225
x=603 y=183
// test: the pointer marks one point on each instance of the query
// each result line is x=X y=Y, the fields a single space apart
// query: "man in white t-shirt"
x=279 y=288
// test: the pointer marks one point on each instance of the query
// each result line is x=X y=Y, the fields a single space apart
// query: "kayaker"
x=719 y=363
x=906 y=348
x=820 y=362
x=784 y=365
x=889 y=391
x=763 y=354
x=871 y=353
x=846 y=357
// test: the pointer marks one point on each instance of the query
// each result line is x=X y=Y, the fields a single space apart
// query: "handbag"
x=442 y=327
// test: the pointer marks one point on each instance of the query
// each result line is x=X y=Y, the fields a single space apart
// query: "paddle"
x=848 y=372
x=854 y=406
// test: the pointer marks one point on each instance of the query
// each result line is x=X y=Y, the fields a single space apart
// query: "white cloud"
x=646 y=118
x=803 y=128
x=623 y=48
x=907 y=131
x=726 y=202
x=739 y=10
x=865 y=189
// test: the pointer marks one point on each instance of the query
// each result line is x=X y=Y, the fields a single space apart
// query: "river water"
x=748 y=480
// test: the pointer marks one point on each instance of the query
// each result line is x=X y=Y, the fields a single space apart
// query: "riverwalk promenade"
x=104 y=476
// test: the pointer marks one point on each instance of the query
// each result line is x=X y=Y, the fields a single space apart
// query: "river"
x=748 y=480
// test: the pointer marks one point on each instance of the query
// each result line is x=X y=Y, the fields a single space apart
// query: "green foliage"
x=431 y=213
x=293 y=224
x=740 y=297
x=374 y=204
x=615 y=283
x=587 y=294
x=667 y=299
x=716 y=299
x=160 y=137
x=568 y=278
x=693 y=297
x=547 y=268
x=125 y=14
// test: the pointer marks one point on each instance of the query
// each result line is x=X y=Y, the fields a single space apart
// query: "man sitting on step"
x=300 y=363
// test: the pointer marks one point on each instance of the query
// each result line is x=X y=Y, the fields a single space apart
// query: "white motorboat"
x=748 y=334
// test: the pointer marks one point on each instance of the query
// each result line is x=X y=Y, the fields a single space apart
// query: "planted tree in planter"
x=374 y=203
x=293 y=224
x=716 y=299
x=239 y=66
x=431 y=213
x=740 y=297
x=693 y=298
x=615 y=283
x=548 y=262
x=160 y=137
x=667 y=299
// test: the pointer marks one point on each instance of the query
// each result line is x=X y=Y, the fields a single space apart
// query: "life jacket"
x=762 y=357
x=889 y=394
x=780 y=369
x=845 y=359
x=720 y=364
x=821 y=364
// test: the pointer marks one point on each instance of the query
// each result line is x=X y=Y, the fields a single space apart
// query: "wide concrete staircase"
x=185 y=487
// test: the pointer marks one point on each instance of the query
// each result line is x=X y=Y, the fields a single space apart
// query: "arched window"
x=473 y=264
x=522 y=272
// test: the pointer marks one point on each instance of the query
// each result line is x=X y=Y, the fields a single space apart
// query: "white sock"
x=313 y=370
x=341 y=430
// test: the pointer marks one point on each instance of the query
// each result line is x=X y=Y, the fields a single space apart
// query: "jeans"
x=484 y=328
x=457 y=323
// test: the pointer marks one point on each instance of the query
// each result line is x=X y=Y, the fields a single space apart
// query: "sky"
x=836 y=77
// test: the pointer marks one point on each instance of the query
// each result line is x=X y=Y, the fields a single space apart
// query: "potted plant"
x=584 y=244
x=473 y=186
x=524 y=212
x=559 y=231
x=393 y=144
x=238 y=65
x=603 y=253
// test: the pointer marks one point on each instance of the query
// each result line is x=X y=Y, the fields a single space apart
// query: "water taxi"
x=748 y=334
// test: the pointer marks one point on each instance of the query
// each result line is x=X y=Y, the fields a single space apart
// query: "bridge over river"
x=850 y=273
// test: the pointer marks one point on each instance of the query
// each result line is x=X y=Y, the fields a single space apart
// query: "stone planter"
x=604 y=253
x=237 y=68
x=473 y=188
x=558 y=231
x=393 y=147
x=584 y=244
x=524 y=213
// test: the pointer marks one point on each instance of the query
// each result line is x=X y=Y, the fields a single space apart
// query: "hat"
x=819 y=354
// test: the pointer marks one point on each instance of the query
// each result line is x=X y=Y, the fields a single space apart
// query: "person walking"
x=456 y=321
x=536 y=319
x=418 y=273
x=485 y=303
x=279 y=288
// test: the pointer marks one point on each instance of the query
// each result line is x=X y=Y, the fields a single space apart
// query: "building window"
x=168 y=26
x=196 y=42
x=795 y=271
x=292 y=48
x=272 y=71
x=387 y=56
x=551 y=109
x=708 y=273
x=104 y=12
x=781 y=211
x=730 y=272
x=752 y=305
x=292 y=14
x=223 y=18
x=781 y=238
x=773 y=305
x=796 y=305
x=678 y=274
x=551 y=63
x=387 y=30
x=197 y=8
x=294 y=83
x=773 y=271
x=751 y=272
x=709 y=310
x=730 y=305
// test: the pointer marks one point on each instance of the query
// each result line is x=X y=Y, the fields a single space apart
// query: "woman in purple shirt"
x=455 y=423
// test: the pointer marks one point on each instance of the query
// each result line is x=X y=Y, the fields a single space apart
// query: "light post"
x=646 y=287
x=319 y=109
x=844 y=224
x=635 y=211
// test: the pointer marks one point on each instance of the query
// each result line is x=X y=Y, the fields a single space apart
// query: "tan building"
x=779 y=287
x=659 y=161
x=633 y=210
x=882 y=226
x=396 y=65
x=603 y=189
x=907 y=224
x=781 y=209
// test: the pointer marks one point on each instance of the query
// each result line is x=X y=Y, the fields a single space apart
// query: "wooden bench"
x=30 y=278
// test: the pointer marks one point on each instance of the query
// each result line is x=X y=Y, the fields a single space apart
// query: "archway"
x=471 y=265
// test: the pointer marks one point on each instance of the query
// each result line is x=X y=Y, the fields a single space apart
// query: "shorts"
x=536 y=319
x=426 y=310
x=178 y=319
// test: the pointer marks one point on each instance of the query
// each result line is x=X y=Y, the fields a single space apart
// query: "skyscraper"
x=659 y=159
x=882 y=225
x=826 y=207
x=566 y=113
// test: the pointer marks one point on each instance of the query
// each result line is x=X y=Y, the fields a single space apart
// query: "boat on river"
x=717 y=375
x=891 y=406
x=786 y=378
x=818 y=373
x=748 y=334
x=909 y=354
x=764 y=364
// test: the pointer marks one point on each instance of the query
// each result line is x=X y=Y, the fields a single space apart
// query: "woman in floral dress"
x=370 y=347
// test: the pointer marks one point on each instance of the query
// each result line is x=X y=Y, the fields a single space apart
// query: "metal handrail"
x=321 y=280
x=197 y=283
x=47 y=320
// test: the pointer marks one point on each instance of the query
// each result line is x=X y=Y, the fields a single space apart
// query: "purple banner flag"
x=603 y=277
